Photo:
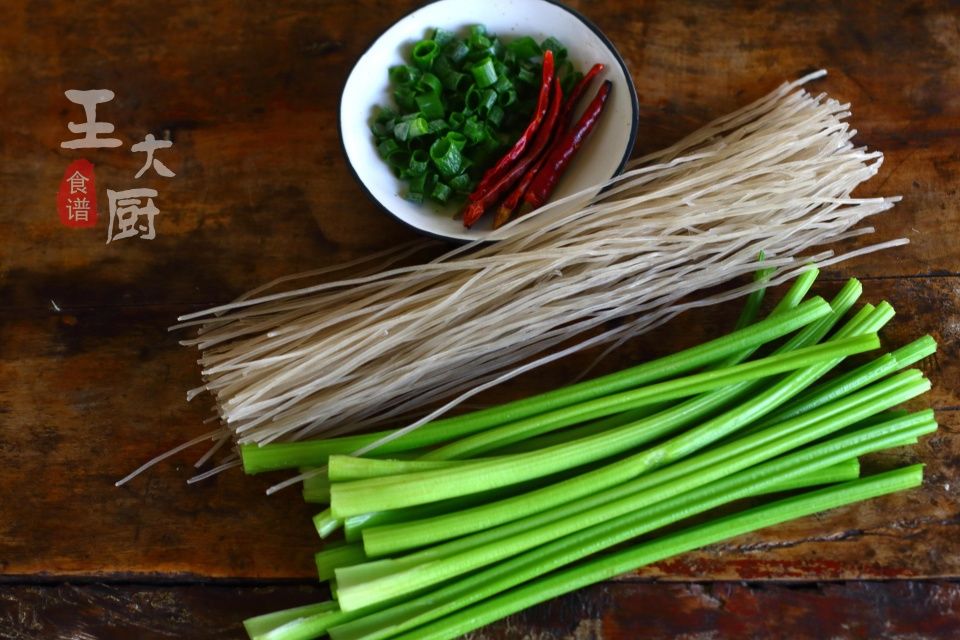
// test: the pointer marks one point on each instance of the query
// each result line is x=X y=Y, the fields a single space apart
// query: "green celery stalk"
x=316 y=488
x=335 y=556
x=794 y=295
x=694 y=537
x=751 y=307
x=800 y=287
x=346 y=468
x=363 y=584
x=353 y=525
x=411 y=534
x=375 y=494
x=861 y=376
x=587 y=540
x=662 y=392
x=265 y=627
x=841 y=472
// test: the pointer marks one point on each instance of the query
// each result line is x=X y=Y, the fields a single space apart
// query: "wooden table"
x=92 y=384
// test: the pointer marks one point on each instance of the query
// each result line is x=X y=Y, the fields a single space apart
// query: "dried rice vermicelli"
x=776 y=176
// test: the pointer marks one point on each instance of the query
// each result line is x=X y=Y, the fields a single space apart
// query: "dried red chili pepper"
x=512 y=201
x=560 y=156
x=505 y=163
x=492 y=195
x=566 y=113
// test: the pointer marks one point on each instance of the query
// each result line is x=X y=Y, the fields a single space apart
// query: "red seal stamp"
x=77 y=197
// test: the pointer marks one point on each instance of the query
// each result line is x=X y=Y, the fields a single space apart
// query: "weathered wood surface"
x=94 y=402
x=615 y=611
x=91 y=384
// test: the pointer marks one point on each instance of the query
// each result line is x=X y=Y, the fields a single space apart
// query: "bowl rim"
x=634 y=115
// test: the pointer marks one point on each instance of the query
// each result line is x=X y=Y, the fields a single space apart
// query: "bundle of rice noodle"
x=774 y=177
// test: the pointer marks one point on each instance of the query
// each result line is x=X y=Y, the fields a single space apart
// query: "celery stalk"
x=692 y=538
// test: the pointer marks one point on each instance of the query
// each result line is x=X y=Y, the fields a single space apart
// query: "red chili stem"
x=475 y=209
x=559 y=157
x=510 y=157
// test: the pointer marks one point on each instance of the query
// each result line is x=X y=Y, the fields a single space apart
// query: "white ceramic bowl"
x=602 y=156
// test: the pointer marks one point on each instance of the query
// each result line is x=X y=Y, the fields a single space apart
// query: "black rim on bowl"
x=634 y=115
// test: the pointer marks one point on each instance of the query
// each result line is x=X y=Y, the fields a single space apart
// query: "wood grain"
x=617 y=611
x=92 y=385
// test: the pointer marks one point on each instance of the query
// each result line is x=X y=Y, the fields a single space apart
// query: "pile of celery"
x=475 y=517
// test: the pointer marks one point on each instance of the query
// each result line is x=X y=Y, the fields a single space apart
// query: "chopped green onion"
x=424 y=52
x=436 y=126
x=405 y=97
x=478 y=42
x=457 y=139
x=404 y=74
x=441 y=192
x=410 y=129
x=527 y=76
x=442 y=36
x=461 y=183
x=387 y=147
x=559 y=51
x=456 y=102
x=430 y=105
x=457 y=120
x=457 y=51
x=418 y=162
x=471 y=99
x=398 y=159
x=446 y=157
x=484 y=73
x=455 y=81
x=488 y=98
x=567 y=81
x=474 y=130
x=417 y=184
x=429 y=83
x=448 y=78
x=507 y=98
x=525 y=47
